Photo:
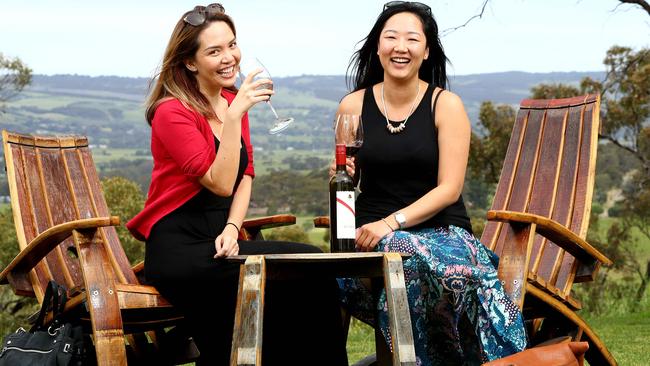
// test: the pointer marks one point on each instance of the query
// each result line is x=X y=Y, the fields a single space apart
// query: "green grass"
x=361 y=341
x=626 y=336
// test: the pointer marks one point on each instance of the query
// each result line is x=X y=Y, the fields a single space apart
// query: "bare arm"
x=226 y=243
x=220 y=177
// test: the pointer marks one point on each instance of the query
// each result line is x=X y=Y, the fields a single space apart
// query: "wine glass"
x=246 y=66
x=348 y=130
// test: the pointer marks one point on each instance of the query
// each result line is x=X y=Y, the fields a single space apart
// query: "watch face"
x=401 y=219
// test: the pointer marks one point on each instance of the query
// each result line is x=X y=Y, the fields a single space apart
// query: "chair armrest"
x=268 y=222
x=138 y=270
x=555 y=232
x=251 y=228
x=322 y=222
x=43 y=244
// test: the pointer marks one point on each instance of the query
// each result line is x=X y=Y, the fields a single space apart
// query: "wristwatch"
x=401 y=219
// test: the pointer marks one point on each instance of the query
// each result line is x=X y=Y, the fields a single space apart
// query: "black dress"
x=302 y=324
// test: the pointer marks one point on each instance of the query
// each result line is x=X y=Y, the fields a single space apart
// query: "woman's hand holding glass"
x=246 y=67
x=251 y=91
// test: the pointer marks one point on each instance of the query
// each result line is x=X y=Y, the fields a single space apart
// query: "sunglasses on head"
x=413 y=4
x=200 y=13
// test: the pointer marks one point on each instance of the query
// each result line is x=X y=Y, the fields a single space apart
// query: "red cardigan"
x=182 y=145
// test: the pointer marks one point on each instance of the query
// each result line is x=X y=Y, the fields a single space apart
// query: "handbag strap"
x=55 y=298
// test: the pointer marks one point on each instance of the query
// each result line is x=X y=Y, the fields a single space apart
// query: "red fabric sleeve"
x=177 y=129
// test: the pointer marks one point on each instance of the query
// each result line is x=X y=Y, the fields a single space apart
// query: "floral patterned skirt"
x=459 y=311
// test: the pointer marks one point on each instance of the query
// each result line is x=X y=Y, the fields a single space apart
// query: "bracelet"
x=387 y=224
x=233 y=224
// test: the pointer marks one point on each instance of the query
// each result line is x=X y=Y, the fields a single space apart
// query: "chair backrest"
x=549 y=170
x=53 y=180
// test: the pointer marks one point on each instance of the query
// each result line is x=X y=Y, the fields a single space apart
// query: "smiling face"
x=216 y=59
x=402 y=46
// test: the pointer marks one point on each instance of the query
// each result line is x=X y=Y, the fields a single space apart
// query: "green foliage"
x=14 y=76
x=14 y=310
x=288 y=191
x=553 y=91
x=293 y=233
x=488 y=146
x=8 y=241
x=125 y=199
x=626 y=101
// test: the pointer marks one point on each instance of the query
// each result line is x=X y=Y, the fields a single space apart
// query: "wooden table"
x=255 y=269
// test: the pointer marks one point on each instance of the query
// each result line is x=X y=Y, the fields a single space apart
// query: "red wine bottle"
x=342 y=224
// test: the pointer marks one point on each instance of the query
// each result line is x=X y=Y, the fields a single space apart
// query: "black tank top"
x=205 y=200
x=398 y=169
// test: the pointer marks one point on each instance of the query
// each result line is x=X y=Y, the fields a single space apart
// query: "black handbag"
x=60 y=344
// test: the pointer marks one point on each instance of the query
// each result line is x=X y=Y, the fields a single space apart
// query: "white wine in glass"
x=246 y=66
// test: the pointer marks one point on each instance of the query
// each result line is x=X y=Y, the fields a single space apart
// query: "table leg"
x=249 y=316
x=399 y=317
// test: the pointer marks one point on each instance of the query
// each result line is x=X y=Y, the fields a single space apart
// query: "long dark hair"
x=174 y=79
x=365 y=69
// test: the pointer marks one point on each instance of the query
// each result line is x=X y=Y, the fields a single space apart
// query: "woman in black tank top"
x=411 y=168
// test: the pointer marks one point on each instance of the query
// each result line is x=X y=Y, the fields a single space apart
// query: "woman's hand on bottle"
x=349 y=162
x=226 y=243
x=250 y=93
x=370 y=234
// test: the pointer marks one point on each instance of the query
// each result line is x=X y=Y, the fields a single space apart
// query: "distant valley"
x=110 y=109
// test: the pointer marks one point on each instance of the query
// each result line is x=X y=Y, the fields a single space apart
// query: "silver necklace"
x=402 y=125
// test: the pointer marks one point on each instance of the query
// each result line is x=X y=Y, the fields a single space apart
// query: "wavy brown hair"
x=174 y=79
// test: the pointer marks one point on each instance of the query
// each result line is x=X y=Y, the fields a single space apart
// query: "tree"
x=14 y=76
x=625 y=116
x=125 y=199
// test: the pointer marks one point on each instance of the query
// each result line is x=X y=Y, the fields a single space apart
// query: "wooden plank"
x=41 y=273
x=249 y=317
x=399 y=318
x=580 y=224
x=545 y=185
x=116 y=253
x=526 y=167
x=102 y=298
x=565 y=192
x=513 y=263
x=23 y=220
x=58 y=199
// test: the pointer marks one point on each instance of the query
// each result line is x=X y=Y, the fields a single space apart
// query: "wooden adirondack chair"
x=65 y=233
x=540 y=215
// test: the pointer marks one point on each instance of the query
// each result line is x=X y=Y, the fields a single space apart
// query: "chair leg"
x=247 y=334
x=101 y=298
x=598 y=354
x=399 y=317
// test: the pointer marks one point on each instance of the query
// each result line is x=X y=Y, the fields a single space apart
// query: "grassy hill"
x=110 y=109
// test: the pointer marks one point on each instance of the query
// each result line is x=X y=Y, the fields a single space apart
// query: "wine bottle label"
x=345 y=228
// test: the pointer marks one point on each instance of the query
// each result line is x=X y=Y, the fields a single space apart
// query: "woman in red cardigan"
x=200 y=190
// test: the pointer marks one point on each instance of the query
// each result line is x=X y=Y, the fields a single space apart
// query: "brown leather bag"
x=561 y=354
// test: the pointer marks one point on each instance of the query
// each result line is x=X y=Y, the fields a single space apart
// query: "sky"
x=297 y=37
